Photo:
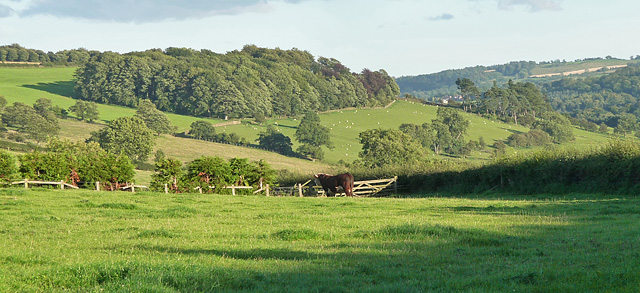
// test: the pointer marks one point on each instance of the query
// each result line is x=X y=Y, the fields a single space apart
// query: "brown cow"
x=335 y=184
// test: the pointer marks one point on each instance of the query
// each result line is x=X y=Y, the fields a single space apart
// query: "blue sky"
x=404 y=37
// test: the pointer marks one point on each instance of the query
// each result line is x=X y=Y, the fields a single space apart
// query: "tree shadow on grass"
x=61 y=88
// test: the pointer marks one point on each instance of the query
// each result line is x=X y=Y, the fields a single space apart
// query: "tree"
x=154 y=118
x=85 y=110
x=168 y=171
x=556 y=125
x=26 y=119
x=468 y=90
x=127 y=135
x=7 y=166
x=208 y=173
x=275 y=141
x=312 y=135
x=388 y=147
x=448 y=130
x=202 y=130
x=626 y=123
x=90 y=163
x=603 y=128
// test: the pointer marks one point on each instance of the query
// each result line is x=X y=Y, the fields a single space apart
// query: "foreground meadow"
x=92 y=241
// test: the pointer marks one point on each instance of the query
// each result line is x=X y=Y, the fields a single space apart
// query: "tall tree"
x=127 y=135
x=312 y=135
x=154 y=118
x=468 y=90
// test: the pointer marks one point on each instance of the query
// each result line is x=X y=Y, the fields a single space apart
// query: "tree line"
x=17 y=53
x=247 y=83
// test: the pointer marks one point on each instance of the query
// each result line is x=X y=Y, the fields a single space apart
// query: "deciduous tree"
x=384 y=147
x=312 y=135
x=127 y=135
x=154 y=118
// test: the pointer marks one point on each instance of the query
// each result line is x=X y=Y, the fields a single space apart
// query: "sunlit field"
x=115 y=241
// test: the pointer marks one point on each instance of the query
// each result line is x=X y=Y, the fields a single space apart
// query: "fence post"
x=133 y=188
x=267 y=189
x=97 y=185
x=395 y=184
x=166 y=189
x=26 y=183
x=300 y=189
x=61 y=184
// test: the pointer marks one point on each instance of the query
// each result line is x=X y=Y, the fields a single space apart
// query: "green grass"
x=27 y=85
x=114 y=241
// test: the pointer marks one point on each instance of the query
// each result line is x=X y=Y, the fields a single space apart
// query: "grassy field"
x=345 y=126
x=93 y=241
x=26 y=85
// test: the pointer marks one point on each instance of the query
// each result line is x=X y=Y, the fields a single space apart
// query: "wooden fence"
x=63 y=184
x=360 y=188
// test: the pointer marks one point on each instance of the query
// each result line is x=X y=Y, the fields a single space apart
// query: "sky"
x=403 y=37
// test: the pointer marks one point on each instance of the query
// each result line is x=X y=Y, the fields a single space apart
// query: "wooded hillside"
x=253 y=81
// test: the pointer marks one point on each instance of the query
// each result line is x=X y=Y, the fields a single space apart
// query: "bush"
x=534 y=137
x=7 y=166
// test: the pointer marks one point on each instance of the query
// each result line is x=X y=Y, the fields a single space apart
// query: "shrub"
x=7 y=165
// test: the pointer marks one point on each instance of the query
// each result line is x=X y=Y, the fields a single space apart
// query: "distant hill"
x=433 y=86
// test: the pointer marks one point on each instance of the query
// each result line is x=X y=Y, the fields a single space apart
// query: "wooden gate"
x=360 y=188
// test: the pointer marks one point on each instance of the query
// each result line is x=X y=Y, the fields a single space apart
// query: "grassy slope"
x=92 y=241
x=27 y=85
x=346 y=125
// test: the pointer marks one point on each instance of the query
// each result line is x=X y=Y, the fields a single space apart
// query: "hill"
x=27 y=85
x=430 y=86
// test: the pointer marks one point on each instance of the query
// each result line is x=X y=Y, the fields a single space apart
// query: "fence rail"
x=360 y=188
x=64 y=185
x=26 y=183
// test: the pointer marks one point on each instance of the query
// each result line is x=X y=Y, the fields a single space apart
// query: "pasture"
x=26 y=85
x=114 y=241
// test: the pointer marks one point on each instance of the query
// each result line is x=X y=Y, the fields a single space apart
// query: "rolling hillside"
x=27 y=85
